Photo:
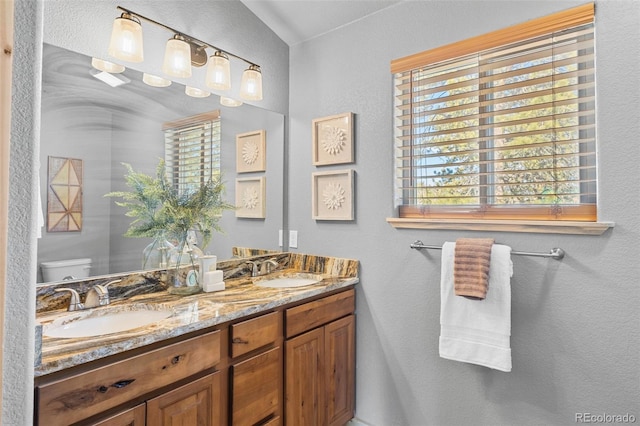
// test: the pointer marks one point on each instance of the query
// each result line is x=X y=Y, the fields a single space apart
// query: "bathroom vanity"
x=247 y=355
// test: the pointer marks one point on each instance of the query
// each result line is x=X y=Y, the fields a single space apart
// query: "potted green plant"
x=162 y=212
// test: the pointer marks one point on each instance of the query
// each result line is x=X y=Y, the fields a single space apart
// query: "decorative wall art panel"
x=332 y=195
x=64 y=195
x=251 y=152
x=333 y=139
x=251 y=197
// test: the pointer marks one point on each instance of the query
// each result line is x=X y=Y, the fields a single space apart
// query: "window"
x=192 y=150
x=501 y=126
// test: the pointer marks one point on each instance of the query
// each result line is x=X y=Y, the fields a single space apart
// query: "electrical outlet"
x=293 y=239
x=280 y=238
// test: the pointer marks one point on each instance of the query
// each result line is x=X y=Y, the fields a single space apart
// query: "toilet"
x=70 y=269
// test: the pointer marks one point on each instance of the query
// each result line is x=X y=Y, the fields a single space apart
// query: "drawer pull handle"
x=238 y=340
x=103 y=389
x=122 y=383
x=176 y=359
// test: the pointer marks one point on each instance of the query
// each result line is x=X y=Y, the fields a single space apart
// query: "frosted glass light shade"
x=251 y=85
x=155 y=81
x=177 y=58
x=218 y=72
x=106 y=66
x=126 y=39
x=229 y=102
x=195 y=92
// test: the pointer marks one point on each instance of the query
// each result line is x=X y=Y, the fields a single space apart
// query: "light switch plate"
x=293 y=239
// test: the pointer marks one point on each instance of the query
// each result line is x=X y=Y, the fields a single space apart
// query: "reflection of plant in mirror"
x=159 y=209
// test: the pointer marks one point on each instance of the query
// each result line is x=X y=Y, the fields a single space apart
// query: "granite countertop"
x=190 y=313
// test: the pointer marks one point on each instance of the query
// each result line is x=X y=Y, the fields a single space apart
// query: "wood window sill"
x=531 y=226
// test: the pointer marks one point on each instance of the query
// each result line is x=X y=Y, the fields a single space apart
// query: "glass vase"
x=183 y=276
x=156 y=254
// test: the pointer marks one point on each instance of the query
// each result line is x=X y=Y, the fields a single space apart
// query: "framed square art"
x=333 y=139
x=251 y=152
x=332 y=195
x=250 y=197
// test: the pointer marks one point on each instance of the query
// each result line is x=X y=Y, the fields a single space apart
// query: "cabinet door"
x=194 y=404
x=132 y=417
x=339 y=352
x=256 y=388
x=304 y=380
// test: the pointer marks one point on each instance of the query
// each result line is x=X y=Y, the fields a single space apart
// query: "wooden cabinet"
x=255 y=390
x=256 y=382
x=293 y=366
x=88 y=393
x=135 y=416
x=196 y=403
x=320 y=363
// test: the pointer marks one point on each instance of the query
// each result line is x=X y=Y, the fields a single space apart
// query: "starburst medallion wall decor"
x=251 y=152
x=64 y=195
x=333 y=139
x=250 y=197
x=332 y=195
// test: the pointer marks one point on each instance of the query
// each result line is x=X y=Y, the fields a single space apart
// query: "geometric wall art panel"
x=64 y=195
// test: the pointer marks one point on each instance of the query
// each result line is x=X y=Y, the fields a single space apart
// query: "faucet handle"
x=109 y=283
x=267 y=266
x=99 y=295
x=254 y=267
x=74 y=302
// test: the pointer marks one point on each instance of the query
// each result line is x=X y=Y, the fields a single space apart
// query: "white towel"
x=477 y=331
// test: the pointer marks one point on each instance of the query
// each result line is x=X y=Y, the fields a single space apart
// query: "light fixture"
x=229 y=102
x=177 y=57
x=195 y=92
x=182 y=52
x=155 y=81
x=113 y=80
x=251 y=85
x=126 y=38
x=219 y=71
x=106 y=66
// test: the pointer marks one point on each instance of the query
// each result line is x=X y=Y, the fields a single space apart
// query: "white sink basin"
x=291 y=280
x=99 y=322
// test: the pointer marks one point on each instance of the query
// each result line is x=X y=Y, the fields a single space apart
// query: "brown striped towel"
x=471 y=267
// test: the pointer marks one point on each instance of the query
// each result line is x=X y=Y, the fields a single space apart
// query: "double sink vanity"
x=269 y=350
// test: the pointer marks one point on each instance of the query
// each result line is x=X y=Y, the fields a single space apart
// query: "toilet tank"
x=59 y=270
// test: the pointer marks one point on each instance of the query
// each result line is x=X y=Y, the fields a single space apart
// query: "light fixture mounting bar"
x=193 y=39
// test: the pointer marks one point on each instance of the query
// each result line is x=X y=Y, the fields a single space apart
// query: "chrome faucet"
x=98 y=295
x=266 y=266
x=261 y=268
x=74 y=303
x=254 y=267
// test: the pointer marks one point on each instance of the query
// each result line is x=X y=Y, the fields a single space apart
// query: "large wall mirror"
x=85 y=119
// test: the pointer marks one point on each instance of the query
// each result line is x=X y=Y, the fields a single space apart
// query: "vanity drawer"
x=77 y=397
x=253 y=334
x=319 y=312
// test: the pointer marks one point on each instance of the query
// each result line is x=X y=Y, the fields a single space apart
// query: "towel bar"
x=555 y=253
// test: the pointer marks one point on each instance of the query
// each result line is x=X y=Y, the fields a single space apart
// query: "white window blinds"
x=502 y=132
x=192 y=150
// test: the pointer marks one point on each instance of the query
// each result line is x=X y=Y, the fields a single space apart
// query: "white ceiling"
x=295 y=21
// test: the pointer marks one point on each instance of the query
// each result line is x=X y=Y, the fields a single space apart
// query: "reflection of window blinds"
x=192 y=150
x=506 y=130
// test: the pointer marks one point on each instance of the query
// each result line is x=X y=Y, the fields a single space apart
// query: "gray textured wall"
x=575 y=338
x=19 y=297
